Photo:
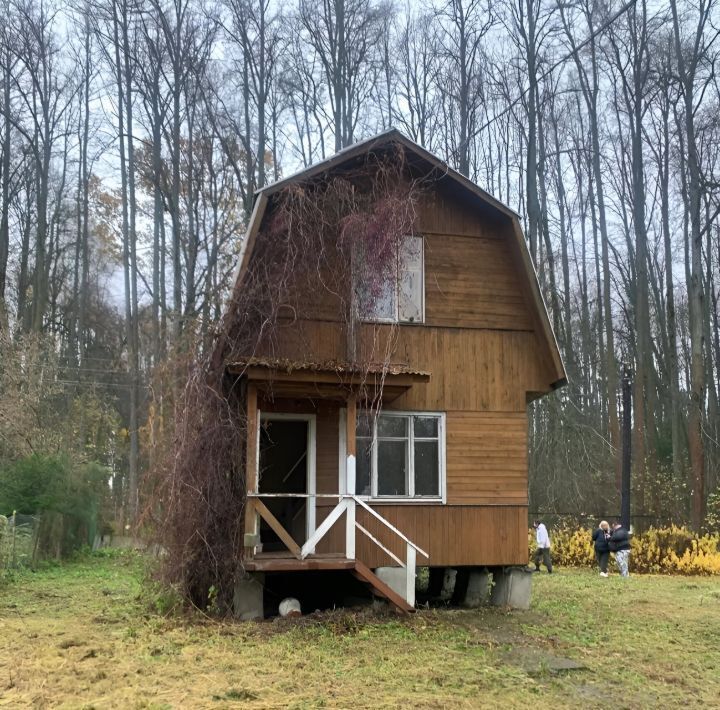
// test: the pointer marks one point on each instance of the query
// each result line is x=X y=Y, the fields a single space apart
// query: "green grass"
x=83 y=635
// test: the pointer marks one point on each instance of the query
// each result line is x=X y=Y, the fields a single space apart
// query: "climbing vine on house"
x=333 y=239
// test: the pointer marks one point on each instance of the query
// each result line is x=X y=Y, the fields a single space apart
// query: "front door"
x=286 y=467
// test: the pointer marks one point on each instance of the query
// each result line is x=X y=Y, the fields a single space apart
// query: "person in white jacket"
x=543 y=547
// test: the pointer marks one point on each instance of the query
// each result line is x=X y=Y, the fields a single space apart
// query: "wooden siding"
x=471 y=370
x=481 y=345
x=477 y=321
x=451 y=535
x=441 y=212
x=486 y=472
x=472 y=282
x=486 y=458
x=327 y=452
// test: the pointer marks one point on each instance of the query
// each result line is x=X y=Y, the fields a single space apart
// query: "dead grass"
x=82 y=636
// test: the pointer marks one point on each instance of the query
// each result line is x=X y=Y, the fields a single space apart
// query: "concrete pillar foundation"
x=477 y=592
x=448 y=585
x=248 y=597
x=512 y=587
x=394 y=577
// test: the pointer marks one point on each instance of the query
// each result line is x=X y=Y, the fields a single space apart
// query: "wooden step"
x=366 y=575
x=291 y=564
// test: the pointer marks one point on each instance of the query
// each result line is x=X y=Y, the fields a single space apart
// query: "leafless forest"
x=133 y=135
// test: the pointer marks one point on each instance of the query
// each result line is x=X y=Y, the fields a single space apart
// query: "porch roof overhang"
x=329 y=380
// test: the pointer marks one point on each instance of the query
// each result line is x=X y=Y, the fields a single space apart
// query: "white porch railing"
x=347 y=506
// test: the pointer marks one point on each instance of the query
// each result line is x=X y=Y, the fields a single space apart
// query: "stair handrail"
x=341 y=497
x=387 y=551
x=411 y=549
x=390 y=526
x=346 y=506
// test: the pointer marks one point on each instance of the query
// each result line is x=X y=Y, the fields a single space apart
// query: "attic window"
x=400 y=455
x=401 y=296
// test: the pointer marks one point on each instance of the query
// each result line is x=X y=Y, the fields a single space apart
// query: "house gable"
x=478 y=271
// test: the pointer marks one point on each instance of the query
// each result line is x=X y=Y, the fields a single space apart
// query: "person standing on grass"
x=620 y=545
x=543 y=547
x=601 y=538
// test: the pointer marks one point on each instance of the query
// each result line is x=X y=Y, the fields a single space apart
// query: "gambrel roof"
x=440 y=172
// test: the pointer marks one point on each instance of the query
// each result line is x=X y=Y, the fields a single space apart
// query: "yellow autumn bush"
x=671 y=550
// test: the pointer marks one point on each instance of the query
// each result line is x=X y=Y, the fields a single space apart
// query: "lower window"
x=400 y=455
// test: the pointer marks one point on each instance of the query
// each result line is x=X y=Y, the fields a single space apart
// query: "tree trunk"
x=128 y=233
x=5 y=206
x=695 y=286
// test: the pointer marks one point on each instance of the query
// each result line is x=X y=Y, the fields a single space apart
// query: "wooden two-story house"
x=417 y=456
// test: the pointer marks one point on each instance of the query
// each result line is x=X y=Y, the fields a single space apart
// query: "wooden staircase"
x=379 y=588
x=298 y=559
x=273 y=562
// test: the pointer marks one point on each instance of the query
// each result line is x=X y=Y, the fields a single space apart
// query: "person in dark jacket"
x=601 y=538
x=620 y=545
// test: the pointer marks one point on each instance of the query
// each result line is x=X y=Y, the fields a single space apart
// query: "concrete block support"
x=248 y=597
x=512 y=587
x=448 y=586
x=478 y=589
x=394 y=577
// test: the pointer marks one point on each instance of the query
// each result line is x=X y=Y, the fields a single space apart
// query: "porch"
x=291 y=523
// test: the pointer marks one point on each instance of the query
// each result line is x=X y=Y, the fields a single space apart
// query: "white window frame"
x=409 y=499
x=396 y=317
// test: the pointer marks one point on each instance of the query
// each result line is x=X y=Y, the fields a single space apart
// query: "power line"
x=554 y=66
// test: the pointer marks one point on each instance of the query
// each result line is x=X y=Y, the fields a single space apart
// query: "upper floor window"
x=400 y=298
x=400 y=455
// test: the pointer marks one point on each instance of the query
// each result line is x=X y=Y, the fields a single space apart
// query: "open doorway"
x=287 y=465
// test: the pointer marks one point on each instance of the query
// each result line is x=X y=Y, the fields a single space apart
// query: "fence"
x=638 y=523
x=19 y=537
x=27 y=539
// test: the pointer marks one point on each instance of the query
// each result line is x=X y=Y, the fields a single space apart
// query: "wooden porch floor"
x=287 y=562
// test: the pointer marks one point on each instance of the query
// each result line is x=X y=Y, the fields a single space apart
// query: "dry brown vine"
x=315 y=233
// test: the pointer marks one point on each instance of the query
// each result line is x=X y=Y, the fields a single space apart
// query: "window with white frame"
x=400 y=298
x=400 y=455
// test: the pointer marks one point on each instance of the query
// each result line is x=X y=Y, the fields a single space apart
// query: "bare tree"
x=529 y=23
x=589 y=79
x=345 y=36
x=256 y=31
x=689 y=57
x=45 y=91
x=419 y=78
x=464 y=23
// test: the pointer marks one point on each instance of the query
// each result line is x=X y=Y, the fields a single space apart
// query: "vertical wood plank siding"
x=479 y=342
x=471 y=283
x=451 y=535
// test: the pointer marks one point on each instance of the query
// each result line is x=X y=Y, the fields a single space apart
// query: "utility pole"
x=626 y=446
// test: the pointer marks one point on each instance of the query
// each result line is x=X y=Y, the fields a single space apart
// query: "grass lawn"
x=81 y=636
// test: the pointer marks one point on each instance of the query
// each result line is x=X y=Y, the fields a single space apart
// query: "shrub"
x=712 y=518
x=672 y=550
x=66 y=497
x=676 y=550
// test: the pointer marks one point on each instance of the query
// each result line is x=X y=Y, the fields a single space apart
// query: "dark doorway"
x=284 y=469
